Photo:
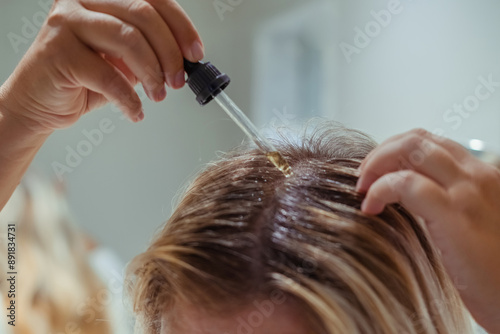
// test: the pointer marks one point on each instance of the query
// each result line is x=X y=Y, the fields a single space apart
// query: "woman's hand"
x=458 y=196
x=90 y=52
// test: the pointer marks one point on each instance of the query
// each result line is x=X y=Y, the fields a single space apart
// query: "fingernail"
x=372 y=206
x=197 y=52
x=363 y=205
x=149 y=94
x=358 y=184
x=180 y=79
x=170 y=81
x=140 y=117
x=366 y=209
x=161 y=94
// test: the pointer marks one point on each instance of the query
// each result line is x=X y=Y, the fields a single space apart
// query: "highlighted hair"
x=243 y=230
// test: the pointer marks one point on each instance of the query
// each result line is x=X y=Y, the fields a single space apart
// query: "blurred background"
x=382 y=67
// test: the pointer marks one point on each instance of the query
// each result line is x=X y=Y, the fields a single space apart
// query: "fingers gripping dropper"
x=208 y=83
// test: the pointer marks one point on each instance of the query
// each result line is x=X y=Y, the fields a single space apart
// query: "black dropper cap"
x=205 y=80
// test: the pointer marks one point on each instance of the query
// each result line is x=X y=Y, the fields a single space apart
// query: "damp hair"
x=243 y=230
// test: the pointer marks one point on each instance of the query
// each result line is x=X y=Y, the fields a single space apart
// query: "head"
x=248 y=250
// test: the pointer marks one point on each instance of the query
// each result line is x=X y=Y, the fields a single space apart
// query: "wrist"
x=11 y=116
x=19 y=144
x=18 y=135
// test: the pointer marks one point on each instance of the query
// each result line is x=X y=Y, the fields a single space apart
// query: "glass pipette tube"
x=251 y=131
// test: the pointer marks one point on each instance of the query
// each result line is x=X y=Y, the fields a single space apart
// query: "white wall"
x=426 y=60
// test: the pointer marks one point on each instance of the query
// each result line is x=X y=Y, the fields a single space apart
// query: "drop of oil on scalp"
x=277 y=159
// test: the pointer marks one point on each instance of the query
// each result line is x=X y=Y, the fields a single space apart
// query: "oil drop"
x=277 y=159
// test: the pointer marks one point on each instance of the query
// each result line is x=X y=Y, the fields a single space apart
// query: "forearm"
x=18 y=146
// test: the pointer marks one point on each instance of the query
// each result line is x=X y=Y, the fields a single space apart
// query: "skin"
x=458 y=197
x=285 y=318
x=89 y=53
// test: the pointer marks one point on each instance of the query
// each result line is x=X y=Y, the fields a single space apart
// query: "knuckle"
x=420 y=132
x=128 y=98
x=153 y=79
x=62 y=14
x=419 y=149
x=407 y=178
x=412 y=150
x=156 y=3
x=110 y=79
x=142 y=10
x=56 y=18
x=134 y=102
x=428 y=148
x=413 y=142
x=130 y=35
x=487 y=176
x=421 y=188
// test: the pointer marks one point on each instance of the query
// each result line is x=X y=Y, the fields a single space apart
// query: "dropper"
x=208 y=83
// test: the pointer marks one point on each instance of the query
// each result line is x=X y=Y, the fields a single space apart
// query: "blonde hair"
x=55 y=283
x=243 y=230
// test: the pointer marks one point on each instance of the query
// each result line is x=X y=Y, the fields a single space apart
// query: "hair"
x=56 y=286
x=243 y=230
